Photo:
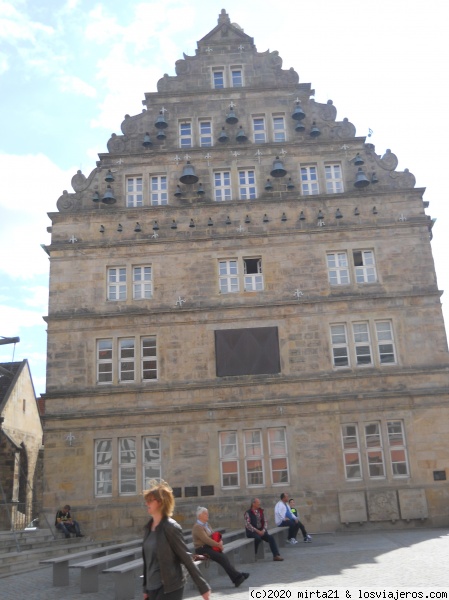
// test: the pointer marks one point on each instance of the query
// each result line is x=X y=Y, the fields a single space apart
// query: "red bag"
x=216 y=536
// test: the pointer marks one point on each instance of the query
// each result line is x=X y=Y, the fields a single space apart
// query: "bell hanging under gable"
x=241 y=136
x=231 y=117
x=223 y=137
x=300 y=126
x=188 y=174
x=108 y=197
x=268 y=186
x=361 y=180
x=298 y=113
x=314 y=132
x=161 y=123
x=109 y=176
x=358 y=160
x=147 y=140
x=278 y=168
x=96 y=197
x=200 y=191
x=290 y=184
x=178 y=192
x=161 y=135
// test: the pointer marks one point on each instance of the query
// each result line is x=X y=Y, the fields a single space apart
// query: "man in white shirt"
x=284 y=518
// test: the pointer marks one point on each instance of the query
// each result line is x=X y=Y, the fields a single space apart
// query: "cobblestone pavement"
x=403 y=559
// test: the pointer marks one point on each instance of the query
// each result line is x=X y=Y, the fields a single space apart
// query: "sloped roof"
x=6 y=382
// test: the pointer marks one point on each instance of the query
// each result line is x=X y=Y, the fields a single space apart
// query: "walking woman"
x=164 y=550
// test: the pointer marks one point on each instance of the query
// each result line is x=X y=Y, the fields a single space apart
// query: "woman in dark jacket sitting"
x=164 y=550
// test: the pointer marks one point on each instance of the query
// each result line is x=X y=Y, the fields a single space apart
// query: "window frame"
x=336 y=345
x=259 y=129
x=338 y=271
x=360 y=343
x=99 y=468
x=234 y=78
x=142 y=282
x=185 y=137
x=222 y=186
x=365 y=272
x=134 y=191
x=232 y=458
x=254 y=458
x=351 y=450
x=158 y=190
x=333 y=175
x=228 y=279
x=310 y=185
x=402 y=447
x=144 y=358
x=205 y=137
x=274 y=456
x=124 y=345
x=216 y=72
x=247 y=184
x=279 y=133
x=381 y=342
x=253 y=282
x=124 y=466
x=116 y=278
x=371 y=450
x=105 y=361
x=151 y=463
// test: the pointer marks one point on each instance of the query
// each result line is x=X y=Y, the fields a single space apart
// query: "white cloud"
x=4 y=63
x=73 y=84
x=14 y=319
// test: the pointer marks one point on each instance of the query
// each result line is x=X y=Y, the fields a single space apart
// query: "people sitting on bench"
x=66 y=524
x=257 y=527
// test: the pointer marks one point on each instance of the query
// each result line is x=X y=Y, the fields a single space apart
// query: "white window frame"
x=151 y=459
x=116 y=290
x=216 y=72
x=127 y=360
x=127 y=466
x=309 y=180
x=259 y=129
x=229 y=457
x=158 y=190
x=277 y=449
x=134 y=191
x=334 y=178
x=338 y=268
x=236 y=76
x=103 y=462
x=253 y=282
x=148 y=358
x=362 y=344
x=247 y=184
x=228 y=276
x=222 y=186
x=142 y=282
x=394 y=447
x=279 y=129
x=185 y=134
x=205 y=133
x=366 y=271
x=254 y=456
x=105 y=361
x=351 y=450
x=339 y=341
x=374 y=451
x=385 y=342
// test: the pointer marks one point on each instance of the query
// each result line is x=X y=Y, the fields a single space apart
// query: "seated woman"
x=204 y=544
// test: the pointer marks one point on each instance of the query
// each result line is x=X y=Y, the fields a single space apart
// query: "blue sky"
x=71 y=69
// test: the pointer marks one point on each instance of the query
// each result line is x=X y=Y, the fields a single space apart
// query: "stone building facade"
x=243 y=301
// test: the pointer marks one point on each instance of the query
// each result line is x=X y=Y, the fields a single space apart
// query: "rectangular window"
x=117 y=283
x=365 y=268
x=248 y=351
x=385 y=342
x=142 y=283
x=127 y=466
x=351 y=451
x=127 y=367
x=103 y=467
x=259 y=131
x=253 y=274
x=337 y=265
x=104 y=361
x=218 y=79
x=334 y=179
x=229 y=459
x=340 y=351
x=236 y=77
x=222 y=186
x=205 y=133
x=148 y=354
x=277 y=442
x=309 y=181
x=398 y=449
x=134 y=191
x=254 y=457
x=362 y=344
x=279 y=134
x=228 y=279
x=247 y=185
x=151 y=459
x=185 y=135
x=159 y=195
x=374 y=450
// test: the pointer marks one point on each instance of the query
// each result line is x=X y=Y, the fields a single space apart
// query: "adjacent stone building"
x=243 y=301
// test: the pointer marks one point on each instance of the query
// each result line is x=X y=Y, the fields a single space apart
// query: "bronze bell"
x=290 y=184
x=161 y=135
x=265 y=218
x=300 y=126
x=314 y=132
x=108 y=197
x=298 y=113
x=268 y=186
x=109 y=176
x=147 y=140
x=161 y=123
x=155 y=226
x=223 y=137
x=284 y=217
x=178 y=192
x=210 y=223
x=188 y=174
x=320 y=216
x=374 y=178
x=231 y=117
x=96 y=197
x=173 y=225
x=119 y=227
x=247 y=220
x=338 y=214
x=361 y=179
x=137 y=228
x=192 y=223
x=228 y=220
x=241 y=137
x=302 y=216
x=200 y=191
x=358 y=160
x=278 y=168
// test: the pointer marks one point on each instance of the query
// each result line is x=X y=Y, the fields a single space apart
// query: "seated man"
x=257 y=528
x=66 y=524
x=284 y=518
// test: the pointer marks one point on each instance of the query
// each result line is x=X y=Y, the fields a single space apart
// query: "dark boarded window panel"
x=252 y=351
x=191 y=492
x=177 y=492
x=207 y=490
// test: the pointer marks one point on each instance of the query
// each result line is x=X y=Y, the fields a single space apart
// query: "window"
x=228 y=276
x=398 y=449
x=351 y=451
x=247 y=185
x=205 y=133
x=134 y=191
x=337 y=265
x=218 y=79
x=159 y=195
x=334 y=179
x=104 y=361
x=385 y=342
x=103 y=467
x=259 y=131
x=222 y=186
x=365 y=269
x=185 y=135
x=249 y=351
x=374 y=451
x=254 y=458
x=277 y=444
x=148 y=358
x=151 y=459
x=229 y=463
x=127 y=365
x=362 y=344
x=253 y=274
x=340 y=350
x=142 y=283
x=127 y=466
x=309 y=181
x=116 y=283
x=236 y=77
x=279 y=129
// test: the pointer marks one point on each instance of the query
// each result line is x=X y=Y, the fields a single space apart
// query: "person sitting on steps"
x=66 y=524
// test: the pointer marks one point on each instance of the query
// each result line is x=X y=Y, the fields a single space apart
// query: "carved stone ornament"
x=79 y=181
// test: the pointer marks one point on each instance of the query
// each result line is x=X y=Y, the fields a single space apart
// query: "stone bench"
x=90 y=569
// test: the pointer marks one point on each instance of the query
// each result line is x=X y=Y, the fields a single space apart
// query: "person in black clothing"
x=306 y=536
x=66 y=524
x=257 y=527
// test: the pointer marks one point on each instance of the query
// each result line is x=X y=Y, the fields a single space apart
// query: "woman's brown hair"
x=163 y=493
